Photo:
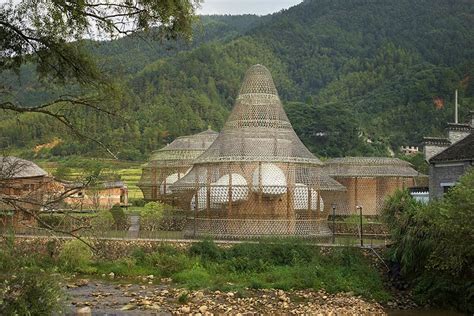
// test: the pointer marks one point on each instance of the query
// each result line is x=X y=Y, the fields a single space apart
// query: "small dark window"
x=446 y=188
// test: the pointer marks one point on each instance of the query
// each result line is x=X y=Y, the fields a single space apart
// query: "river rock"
x=84 y=311
x=203 y=309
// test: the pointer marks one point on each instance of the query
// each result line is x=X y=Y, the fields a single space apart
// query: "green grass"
x=281 y=265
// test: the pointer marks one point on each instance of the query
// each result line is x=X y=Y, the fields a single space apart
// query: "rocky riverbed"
x=107 y=298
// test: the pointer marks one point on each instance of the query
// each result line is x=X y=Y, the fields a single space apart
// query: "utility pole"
x=456 y=106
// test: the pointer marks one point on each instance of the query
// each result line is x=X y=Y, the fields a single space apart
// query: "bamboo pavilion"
x=257 y=178
x=369 y=181
x=169 y=164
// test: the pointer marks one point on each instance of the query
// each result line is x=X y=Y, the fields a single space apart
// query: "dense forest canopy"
x=356 y=77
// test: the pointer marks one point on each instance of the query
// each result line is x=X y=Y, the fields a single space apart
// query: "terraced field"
x=129 y=173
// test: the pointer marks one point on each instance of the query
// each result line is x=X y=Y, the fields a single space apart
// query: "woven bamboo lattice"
x=257 y=178
x=171 y=163
x=369 y=181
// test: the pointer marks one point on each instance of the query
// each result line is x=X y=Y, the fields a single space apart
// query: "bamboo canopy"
x=167 y=165
x=258 y=130
x=257 y=175
x=369 y=181
x=369 y=167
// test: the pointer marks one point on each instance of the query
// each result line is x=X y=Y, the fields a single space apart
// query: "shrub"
x=120 y=218
x=168 y=264
x=206 y=249
x=49 y=219
x=405 y=219
x=275 y=252
x=194 y=278
x=75 y=256
x=7 y=255
x=138 y=254
x=151 y=216
x=244 y=264
x=30 y=292
x=103 y=221
x=137 y=202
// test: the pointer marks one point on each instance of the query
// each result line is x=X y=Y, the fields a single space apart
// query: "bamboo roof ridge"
x=369 y=167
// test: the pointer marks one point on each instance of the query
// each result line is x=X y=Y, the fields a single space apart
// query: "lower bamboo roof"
x=369 y=167
x=183 y=150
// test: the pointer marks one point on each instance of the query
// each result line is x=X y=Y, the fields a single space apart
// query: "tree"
x=433 y=244
x=50 y=34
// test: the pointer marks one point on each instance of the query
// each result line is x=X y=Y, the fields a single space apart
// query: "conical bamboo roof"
x=258 y=130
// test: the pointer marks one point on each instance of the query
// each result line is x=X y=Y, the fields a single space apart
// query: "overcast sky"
x=260 y=7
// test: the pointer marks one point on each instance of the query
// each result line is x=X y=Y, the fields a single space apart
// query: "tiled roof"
x=461 y=150
x=15 y=168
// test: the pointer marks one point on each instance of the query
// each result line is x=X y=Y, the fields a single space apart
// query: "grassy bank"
x=280 y=265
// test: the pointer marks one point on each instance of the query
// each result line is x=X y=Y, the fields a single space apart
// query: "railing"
x=346 y=232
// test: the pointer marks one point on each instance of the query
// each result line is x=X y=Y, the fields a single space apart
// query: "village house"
x=449 y=165
x=97 y=197
x=24 y=189
x=449 y=158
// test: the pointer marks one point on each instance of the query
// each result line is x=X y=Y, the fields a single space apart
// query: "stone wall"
x=110 y=249
x=445 y=173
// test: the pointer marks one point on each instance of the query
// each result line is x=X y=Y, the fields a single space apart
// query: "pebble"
x=203 y=309
x=165 y=299
x=84 y=311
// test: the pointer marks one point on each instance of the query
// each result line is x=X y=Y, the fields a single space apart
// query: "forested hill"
x=357 y=77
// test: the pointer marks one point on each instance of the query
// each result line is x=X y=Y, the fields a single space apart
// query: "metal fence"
x=343 y=231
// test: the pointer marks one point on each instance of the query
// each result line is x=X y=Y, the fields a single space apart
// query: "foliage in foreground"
x=434 y=244
x=280 y=264
x=25 y=288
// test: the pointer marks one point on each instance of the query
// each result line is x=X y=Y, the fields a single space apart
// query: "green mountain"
x=356 y=77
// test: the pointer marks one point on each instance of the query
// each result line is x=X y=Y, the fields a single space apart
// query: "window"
x=447 y=186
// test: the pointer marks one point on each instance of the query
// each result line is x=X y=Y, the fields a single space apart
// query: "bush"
x=432 y=244
x=120 y=218
x=405 y=219
x=206 y=249
x=49 y=219
x=103 y=221
x=194 y=278
x=137 y=202
x=31 y=292
x=168 y=264
x=75 y=256
x=151 y=216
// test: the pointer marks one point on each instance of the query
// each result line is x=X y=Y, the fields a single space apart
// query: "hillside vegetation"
x=356 y=78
